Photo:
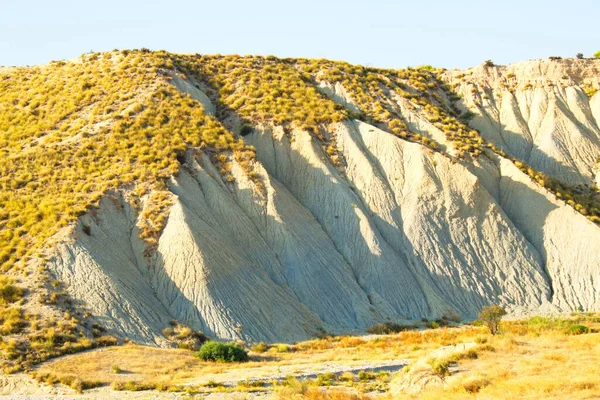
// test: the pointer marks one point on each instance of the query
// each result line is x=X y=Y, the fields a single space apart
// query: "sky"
x=379 y=33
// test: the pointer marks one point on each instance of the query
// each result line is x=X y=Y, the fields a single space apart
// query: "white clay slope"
x=538 y=112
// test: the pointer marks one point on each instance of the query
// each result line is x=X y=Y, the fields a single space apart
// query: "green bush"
x=577 y=329
x=222 y=352
x=597 y=54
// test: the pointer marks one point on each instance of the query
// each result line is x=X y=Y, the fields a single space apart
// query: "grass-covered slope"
x=69 y=131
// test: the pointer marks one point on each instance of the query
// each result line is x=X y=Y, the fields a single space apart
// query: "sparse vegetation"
x=495 y=367
x=71 y=381
x=184 y=337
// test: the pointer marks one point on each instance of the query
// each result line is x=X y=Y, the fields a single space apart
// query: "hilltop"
x=266 y=199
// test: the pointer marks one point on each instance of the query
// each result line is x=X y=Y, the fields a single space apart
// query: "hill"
x=269 y=199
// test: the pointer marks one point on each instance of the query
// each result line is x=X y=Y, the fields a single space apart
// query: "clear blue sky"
x=380 y=33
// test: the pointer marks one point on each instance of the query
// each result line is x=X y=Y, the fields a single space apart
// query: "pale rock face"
x=339 y=94
x=418 y=123
x=394 y=232
x=567 y=241
x=435 y=211
x=536 y=112
x=102 y=270
x=302 y=167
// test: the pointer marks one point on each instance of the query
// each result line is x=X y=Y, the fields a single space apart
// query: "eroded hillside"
x=265 y=199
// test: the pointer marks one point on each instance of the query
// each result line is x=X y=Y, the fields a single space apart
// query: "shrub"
x=489 y=63
x=491 y=317
x=115 y=369
x=184 y=336
x=580 y=55
x=474 y=385
x=481 y=340
x=9 y=293
x=106 y=340
x=283 y=348
x=440 y=367
x=577 y=329
x=597 y=54
x=260 y=347
x=326 y=379
x=386 y=328
x=365 y=376
x=11 y=320
x=346 y=377
x=434 y=324
x=222 y=352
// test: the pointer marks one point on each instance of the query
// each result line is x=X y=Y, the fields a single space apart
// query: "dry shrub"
x=474 y=384
x=350 y=341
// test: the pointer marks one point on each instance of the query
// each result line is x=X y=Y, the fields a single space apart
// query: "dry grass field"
x=530 y=359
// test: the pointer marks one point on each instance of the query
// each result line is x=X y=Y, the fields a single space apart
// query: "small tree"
x=580 y=55
x=597 y=54
x=491 y=317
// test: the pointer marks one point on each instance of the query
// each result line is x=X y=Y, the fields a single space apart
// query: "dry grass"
x=552 y=366
x=530 y=359
x=146 y=365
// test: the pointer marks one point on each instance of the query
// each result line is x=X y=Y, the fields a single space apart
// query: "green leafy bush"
x=222 y=352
